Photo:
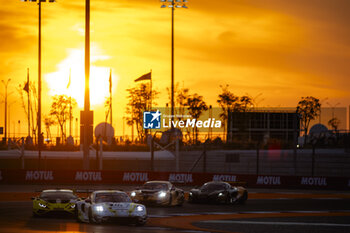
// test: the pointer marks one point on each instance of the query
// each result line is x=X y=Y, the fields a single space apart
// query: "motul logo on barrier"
x=135 y=176
x=274 y=180
x=227 y=178
x=88 y=176
x=180 y=178
x=39 y=175
x=315 y=181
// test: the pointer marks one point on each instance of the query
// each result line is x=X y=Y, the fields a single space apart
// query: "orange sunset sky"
x=282 y=49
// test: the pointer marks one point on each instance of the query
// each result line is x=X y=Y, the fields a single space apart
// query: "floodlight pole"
x=39 y=88
x=39 y=79
x=172 y=61
x=6 y=85
x=28 y=94
x=86 y=150
x=173 y=4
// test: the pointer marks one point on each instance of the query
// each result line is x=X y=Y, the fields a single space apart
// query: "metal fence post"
x=9 y=144
x=205 y=159
x=101 y=155
x=177 y=153
x=257 y=158
x=313 y=160
x=152 y=153
x=22 y=153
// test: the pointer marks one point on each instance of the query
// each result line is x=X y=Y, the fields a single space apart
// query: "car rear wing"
x=84 y=190
x=54 y=189
x=83 y=193
x=238 y=183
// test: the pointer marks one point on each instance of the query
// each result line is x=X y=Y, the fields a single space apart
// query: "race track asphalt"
x=264 y=212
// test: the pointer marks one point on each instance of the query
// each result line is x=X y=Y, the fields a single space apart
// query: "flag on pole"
x=26 y=87
x=144 y=77
x=69 y=79
x=110 y=81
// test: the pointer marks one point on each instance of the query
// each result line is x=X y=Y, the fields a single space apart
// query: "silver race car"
x=161 y=193
x=110 y=205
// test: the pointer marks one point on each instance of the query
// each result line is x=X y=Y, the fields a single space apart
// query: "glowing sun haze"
x=282 y=49
x=58 y=82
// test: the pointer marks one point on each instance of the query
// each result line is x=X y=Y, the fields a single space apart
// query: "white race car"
x=108 y=205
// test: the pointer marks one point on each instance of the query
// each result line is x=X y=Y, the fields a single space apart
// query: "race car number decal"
x=118 y=205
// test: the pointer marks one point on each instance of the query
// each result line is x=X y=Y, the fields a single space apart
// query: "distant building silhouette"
x=262 y=125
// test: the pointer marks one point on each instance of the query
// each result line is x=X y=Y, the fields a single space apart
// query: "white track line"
x=277 y=223
x=327 y=198
x=247 y=212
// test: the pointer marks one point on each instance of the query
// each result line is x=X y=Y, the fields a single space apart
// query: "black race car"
x=218 y=192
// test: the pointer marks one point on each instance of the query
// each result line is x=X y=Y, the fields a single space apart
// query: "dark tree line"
x=185 y=102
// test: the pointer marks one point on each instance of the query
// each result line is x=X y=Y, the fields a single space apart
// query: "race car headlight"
x=42 y=205
x=99 y=208
x=140 y=208
x=133 y=194
x=72 y=206
x=220 y=194
x=162 y=194
x=190 y=194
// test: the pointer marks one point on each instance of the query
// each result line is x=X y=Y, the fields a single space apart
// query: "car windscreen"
x=58 y=195
x=213 y=187
x=155 y=186
x=111 y=197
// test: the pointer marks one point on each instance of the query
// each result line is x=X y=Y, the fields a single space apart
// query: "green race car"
x=54 y=201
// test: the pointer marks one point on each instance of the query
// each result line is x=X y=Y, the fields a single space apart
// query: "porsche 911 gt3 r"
x=109 y=205
x=158 y=193
x=54 y=201
x=218 y=192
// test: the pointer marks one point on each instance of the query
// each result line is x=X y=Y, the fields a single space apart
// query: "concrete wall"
x=273 y=162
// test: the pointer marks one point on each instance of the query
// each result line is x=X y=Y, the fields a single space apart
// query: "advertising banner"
x=178 y=178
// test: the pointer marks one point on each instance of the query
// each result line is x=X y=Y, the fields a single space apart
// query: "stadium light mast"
x=86 y=117
x=39 y=75
x=173 y=4
x=6 y=85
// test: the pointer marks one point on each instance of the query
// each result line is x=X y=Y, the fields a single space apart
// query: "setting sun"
x=58 y=82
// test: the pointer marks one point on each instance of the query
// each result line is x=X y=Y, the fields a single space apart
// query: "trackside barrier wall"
x=327 y=162
x=131 y=177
